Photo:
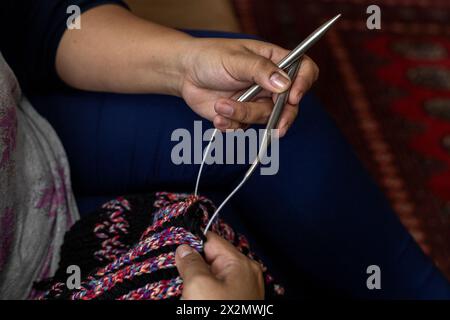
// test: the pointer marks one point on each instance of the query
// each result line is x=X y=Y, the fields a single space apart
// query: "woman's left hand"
x=116 y=51
x=218 y=70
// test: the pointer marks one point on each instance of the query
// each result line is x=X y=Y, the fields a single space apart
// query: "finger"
x=307 y=75
x=309 y=70
x=287 y=118
x=227 y=263
x=257 y=112
x=224 y=124
x=253 y=68
x=269 y=50
x=190 y=263
x=216 y=247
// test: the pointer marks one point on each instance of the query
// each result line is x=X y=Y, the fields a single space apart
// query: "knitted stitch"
x=126 y=250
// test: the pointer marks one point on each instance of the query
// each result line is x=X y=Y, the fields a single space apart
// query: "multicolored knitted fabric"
x=126 y=250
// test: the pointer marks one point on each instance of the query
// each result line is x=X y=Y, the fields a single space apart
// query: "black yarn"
x=81 y=243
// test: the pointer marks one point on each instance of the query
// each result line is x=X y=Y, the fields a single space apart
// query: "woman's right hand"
x=225 y=275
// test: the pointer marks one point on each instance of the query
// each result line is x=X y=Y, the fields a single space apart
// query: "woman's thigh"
x=120 y=144
x=320 y=218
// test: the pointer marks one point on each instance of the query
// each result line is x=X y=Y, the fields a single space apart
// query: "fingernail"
x=225 y=109
x=280 y=80
x=223 y=122
x=283 y=129
x=184 y=250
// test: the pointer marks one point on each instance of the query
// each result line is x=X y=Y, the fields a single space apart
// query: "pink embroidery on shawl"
x=55 y=194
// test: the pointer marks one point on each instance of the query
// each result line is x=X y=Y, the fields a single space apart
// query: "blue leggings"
x=320 y=222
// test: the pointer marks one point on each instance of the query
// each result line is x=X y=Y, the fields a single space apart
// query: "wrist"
x=188 y=59
x=178 y=63
x=163 y=68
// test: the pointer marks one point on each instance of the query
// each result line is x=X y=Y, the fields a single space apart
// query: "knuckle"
x=256 y=267
x=238 y=264
x=261 y=63
x=235 y=125
x=234 y=53
x=245 y=115
x=265 y=114
x=317 y=71
x=234 y=262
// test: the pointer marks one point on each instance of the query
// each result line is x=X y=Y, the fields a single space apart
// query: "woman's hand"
x=215 y=69
x=225 y=275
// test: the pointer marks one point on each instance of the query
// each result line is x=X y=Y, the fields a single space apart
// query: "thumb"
x=252 y=67
x=190 y=263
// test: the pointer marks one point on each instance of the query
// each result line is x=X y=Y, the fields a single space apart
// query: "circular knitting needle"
x=251 y=93
x=265 y=142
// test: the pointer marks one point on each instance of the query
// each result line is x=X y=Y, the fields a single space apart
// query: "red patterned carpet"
x=389 y=92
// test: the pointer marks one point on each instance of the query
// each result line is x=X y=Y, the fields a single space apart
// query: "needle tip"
x=336 y=17
x=330 y=22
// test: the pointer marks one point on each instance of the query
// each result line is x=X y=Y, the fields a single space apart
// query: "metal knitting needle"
x=293 y=56
x=273 y=120
x=265 y=142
